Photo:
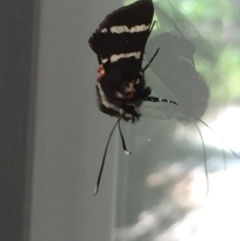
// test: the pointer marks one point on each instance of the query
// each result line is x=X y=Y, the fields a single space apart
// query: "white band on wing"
x=116 y=57
x=104 y=60
x=104 y=100
x=125 y=29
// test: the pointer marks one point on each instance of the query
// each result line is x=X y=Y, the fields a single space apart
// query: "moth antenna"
x=205 y=158
x=153 y=24
x=123 y=141
x=151 y=60
x=104 y=157
x=157 y=99
x=233 y=152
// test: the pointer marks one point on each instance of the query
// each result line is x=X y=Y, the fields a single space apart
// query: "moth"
x=119 y=43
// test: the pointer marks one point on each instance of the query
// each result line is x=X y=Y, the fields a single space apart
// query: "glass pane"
x=164 y=189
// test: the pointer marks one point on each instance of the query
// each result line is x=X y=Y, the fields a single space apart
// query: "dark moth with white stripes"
x=119 y=44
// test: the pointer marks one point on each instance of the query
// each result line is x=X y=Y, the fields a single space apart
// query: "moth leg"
x=151 y=60
x=157 y=99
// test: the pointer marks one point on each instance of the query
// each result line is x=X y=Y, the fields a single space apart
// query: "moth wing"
x=120 y=39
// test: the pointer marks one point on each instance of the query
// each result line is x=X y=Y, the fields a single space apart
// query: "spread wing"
x=120 y=39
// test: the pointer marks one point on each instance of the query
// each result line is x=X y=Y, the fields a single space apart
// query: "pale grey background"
x=17 y=85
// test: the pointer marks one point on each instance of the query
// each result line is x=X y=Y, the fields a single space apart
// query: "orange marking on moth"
x=132 y=90
x=101 y=73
